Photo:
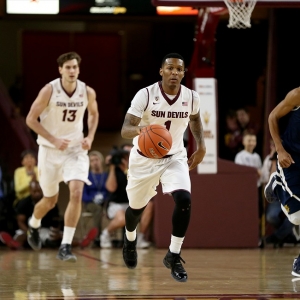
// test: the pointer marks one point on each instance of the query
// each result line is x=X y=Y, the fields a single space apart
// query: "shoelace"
x=177 y=261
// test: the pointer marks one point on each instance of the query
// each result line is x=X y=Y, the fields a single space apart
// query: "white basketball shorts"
x=144 y=175
x=114 y=207
x=55 y=166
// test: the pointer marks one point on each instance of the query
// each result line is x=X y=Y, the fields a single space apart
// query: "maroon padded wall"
x=100 y=68
x=224 y=210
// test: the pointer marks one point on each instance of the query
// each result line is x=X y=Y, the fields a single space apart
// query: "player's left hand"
x=196 y=158
x=86 y=143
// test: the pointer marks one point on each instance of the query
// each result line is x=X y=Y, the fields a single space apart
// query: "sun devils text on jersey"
x=63 y=117
x=154 y=106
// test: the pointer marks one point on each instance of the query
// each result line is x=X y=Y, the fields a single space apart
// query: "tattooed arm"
x=197 y=131
x=130 y=128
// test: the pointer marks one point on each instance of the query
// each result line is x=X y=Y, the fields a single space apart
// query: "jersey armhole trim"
x=147 y=99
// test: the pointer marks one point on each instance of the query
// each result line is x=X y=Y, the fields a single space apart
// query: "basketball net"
x=240 y=12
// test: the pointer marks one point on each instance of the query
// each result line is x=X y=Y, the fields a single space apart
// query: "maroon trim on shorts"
x=139 y=152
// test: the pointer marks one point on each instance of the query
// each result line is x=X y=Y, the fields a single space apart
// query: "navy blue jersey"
x=291 y=135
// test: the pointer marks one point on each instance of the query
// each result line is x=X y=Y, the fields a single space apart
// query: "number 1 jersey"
x=154 y=106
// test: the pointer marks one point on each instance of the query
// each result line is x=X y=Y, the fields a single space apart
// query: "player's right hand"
x=61 y=144
x=196 y=158
x=285 y=159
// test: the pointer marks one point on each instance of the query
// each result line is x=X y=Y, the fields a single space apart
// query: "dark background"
x=122 y=54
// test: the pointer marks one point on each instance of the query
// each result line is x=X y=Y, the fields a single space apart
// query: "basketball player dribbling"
x=60 y=107
x=175 y=106
x=284 y=184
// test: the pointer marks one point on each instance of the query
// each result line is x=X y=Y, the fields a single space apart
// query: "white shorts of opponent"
x=114 y=207
x=55 y=166
x=144 y=175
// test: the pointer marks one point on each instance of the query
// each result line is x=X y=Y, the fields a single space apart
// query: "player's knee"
x=182 y=200
x=76 y=194
x=295 y=218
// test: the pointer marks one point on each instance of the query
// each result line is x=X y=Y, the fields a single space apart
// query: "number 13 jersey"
x=63 y=117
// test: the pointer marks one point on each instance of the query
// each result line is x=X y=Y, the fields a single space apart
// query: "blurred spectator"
x=248 y=126
x=117 y=199
x=95 y=195
x=248 y=157
x=49 y=231
x=24 y=175
x=233 y=136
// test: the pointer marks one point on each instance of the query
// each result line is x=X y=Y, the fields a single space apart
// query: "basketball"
x=155 y=141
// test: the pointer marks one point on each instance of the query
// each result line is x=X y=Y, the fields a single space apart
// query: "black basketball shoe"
x=173 y=261
x=129 y=253
x=65 y=254
x=296 y=267
x=33 y=238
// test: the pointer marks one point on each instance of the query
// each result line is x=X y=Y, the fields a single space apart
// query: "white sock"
x=68 y=235
x=105 y=232
x=131 y=235
x=34 y=222
x=176 y=243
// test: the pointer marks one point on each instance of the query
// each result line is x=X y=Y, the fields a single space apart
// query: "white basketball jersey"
x=154 y=106
x=63 y=117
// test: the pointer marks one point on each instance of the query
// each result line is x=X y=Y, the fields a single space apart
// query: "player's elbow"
x=124 y=134
x=29 y=121
x=272 y=118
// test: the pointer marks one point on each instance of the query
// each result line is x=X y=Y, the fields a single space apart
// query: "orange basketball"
x=155 y=141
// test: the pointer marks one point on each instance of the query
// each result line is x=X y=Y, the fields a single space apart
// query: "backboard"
x=219 y=3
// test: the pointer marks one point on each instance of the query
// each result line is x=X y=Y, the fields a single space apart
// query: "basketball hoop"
x=240 y=12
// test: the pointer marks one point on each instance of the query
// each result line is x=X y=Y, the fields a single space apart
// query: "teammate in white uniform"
x=56 y=116
x=171 y=104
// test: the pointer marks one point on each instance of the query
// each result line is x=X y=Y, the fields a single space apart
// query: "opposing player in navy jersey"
x=284 y=184
x=57 y=116
x=173 y=105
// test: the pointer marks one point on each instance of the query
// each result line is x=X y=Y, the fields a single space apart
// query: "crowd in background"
x=105 y=200
x=242 y=143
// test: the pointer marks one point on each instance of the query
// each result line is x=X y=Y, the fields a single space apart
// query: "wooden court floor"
x=214 y=274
